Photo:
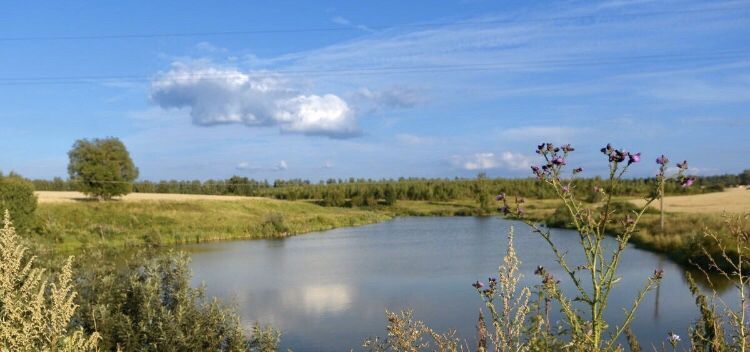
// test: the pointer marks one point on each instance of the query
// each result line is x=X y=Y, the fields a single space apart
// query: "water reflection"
x=321 y=299
x=329 y=290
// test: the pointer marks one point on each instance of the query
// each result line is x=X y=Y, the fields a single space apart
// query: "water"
x=328 y=291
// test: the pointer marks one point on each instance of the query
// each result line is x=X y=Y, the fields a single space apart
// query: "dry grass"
x=68 y=197
x=733 y=200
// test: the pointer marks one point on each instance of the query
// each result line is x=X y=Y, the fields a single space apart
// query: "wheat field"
x=732 y=200
x=67 y=197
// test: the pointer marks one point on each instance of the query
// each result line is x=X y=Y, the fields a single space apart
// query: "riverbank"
x=72 y=226
x=68 y=224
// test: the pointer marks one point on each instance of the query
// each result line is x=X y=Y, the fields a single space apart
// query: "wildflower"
x=577 y=170
x=634 y=158
x=539 y=270
x=683 y=165
x=658 y=274
x=607 y=149
x=566 y=189
x=687 y=182
x=662 y=160
x=539 y=148
x=500 y=197
x=673 y=339
x=558 y=161
x=477 y=285
x=618 y=156
x=567 y=148
x=520 y=211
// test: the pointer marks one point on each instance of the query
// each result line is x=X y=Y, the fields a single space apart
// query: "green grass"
x=68 y=227
x=72 y=227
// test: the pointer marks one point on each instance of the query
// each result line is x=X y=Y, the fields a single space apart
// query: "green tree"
x=102 y=167
x=390 y=195
x=745 y=177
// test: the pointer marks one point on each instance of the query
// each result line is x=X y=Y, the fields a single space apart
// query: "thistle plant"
x=596 y=277
x=35 y=314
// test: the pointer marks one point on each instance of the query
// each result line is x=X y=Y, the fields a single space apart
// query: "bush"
x=17 y=196
x=151 y=306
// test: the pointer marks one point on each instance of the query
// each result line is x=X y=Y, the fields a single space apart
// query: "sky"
x=374 y=89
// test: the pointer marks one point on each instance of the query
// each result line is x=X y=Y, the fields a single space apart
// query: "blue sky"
x=373 y=89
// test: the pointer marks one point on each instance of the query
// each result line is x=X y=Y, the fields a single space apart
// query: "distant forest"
x=358 y=192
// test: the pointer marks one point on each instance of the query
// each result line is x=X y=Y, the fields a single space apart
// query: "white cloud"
x=328 y=164
x=246 y=166
x=488 y=161
x=227 y=95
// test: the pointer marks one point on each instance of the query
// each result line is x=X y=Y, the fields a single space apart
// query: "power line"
x=528 y=64
x=268 y=31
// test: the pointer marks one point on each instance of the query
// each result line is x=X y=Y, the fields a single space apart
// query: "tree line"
x=340 y=192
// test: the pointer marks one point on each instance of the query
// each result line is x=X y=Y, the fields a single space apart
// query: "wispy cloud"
x=489 y=161
x=246 y=166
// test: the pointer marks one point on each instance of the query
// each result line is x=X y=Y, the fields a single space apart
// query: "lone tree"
x=102 y=167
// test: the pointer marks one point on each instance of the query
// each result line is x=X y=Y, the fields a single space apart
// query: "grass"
x=71 y=226
x=68 y=227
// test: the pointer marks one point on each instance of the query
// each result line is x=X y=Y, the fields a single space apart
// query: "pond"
x=328 y=291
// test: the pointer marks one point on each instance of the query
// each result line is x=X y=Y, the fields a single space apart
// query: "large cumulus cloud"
x=227 y=95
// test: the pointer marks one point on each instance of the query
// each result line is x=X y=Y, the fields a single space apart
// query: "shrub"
x=35 y=315
x=17 y=196
x=151 y=306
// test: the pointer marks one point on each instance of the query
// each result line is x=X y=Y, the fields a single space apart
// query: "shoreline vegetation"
x=69 y=223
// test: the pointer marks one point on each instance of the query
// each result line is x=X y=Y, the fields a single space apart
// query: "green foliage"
x=151 y=307
x=17 y=196
x=745 y=177
x=102 y=167
x=35 y=314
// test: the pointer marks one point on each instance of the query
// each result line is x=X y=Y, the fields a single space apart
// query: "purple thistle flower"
x=634 y=158
x=683 y=165
x=673 y=339
x=500 y=197
x=687 y=182
x=558 y=161
x=565 y=189
x=662 y=160
x=577 y=170
x=477 y=285
x=567 y=148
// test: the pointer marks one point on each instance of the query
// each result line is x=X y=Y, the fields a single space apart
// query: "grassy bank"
x=75 y=225
x=66 y=227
